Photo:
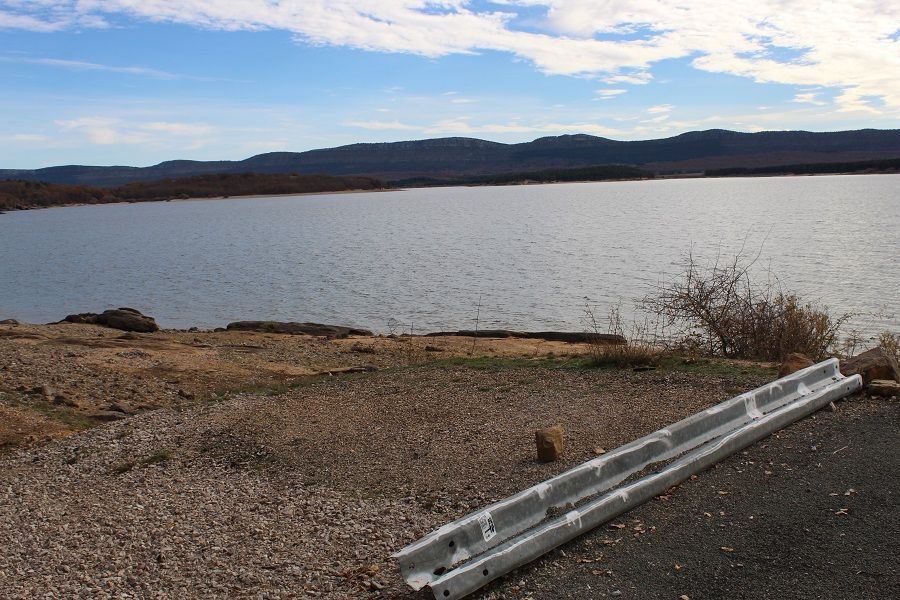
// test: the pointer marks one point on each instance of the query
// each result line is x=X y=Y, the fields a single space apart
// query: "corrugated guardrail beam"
x=499 y=537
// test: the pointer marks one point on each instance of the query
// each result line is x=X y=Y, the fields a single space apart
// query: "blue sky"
x=136 y=82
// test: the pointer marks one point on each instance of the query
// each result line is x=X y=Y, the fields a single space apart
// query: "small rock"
x=122 y=407
x=363 y=349
x=549 y=443
x=884 y=387
x=44 y=390
x=794 y=362
x=9 y=322
x=107 y=415
x=63 y=399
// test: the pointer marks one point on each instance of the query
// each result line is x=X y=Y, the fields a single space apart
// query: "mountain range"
x=693 y=152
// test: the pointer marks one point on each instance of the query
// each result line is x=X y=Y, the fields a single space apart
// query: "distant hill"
x=455 y=157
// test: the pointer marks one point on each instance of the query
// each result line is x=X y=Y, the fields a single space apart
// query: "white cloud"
x=809 y=98
x=637 y=78
x=662 y=108
x=850 y=46
x=607 y=94
x=99 y=130
x=9 y=20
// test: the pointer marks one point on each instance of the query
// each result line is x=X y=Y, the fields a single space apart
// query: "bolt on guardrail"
x=462 y=556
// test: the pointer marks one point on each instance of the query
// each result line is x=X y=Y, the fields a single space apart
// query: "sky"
x=138 y=82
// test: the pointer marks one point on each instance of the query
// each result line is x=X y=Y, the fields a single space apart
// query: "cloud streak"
x=77 y=65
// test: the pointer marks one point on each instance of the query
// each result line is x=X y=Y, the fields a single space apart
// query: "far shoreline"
x=199 y=199
x=674 y=176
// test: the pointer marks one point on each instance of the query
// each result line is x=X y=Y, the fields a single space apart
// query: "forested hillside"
x=27 y=194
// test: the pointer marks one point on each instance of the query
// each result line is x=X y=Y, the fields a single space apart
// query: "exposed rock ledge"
x=317 y=329
x=572 y=337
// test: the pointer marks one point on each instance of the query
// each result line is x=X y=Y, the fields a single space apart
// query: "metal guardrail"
x=460 y=557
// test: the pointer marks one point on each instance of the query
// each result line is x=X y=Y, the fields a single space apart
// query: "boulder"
x=794 y=362
x=549 y=443
x=884 y=387
x=126 y=319
x=873 y=364
x=9 y=322
x=81 y=319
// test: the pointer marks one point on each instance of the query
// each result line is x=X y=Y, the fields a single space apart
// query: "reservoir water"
x=520 y=257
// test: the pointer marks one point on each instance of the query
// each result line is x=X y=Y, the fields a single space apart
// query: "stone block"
x=549 y=443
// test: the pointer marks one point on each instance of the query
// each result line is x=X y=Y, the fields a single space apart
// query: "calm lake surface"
x=522 y=257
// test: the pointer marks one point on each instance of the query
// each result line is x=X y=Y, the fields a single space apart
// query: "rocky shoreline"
x=64 y=377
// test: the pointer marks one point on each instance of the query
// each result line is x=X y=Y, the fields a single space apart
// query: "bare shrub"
x=860 y=339
x=890 y=342
x=719 y=311
x=638 y=351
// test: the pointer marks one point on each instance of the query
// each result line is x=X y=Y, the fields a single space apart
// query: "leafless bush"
x=855 y=340
x=890 y=342
x=719 y=311
x=638 y=351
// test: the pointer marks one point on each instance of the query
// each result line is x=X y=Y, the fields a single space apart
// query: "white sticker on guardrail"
x=487 y=526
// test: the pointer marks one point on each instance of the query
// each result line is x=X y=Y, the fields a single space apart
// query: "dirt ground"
x=62 y=378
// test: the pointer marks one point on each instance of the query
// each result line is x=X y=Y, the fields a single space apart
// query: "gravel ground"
x=304 y=493
x=307 y=493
